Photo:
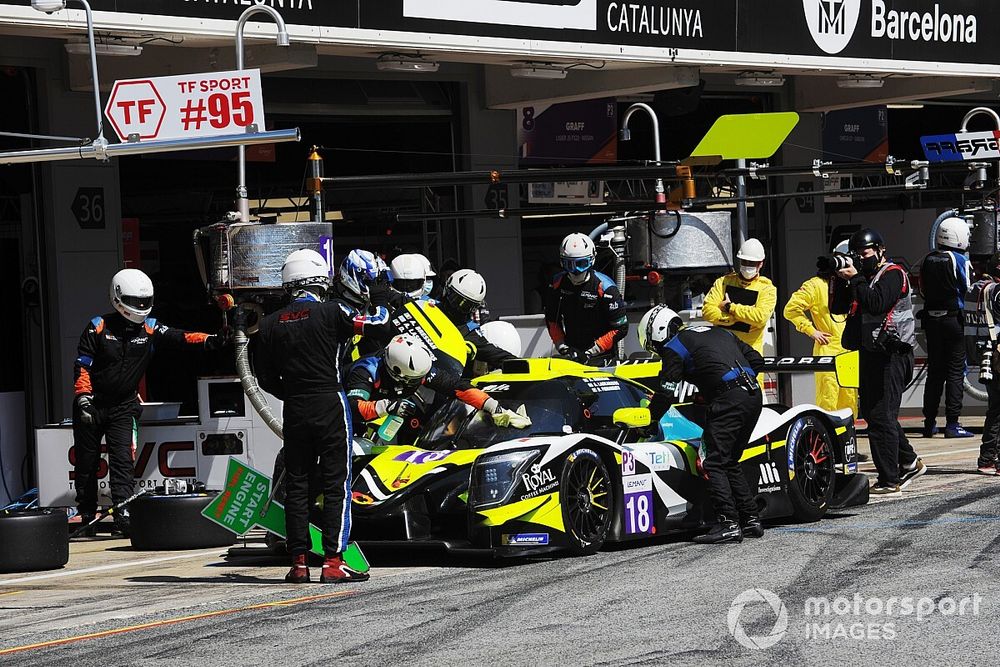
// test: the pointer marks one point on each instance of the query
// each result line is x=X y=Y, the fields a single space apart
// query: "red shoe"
x=299 y=574
x=335 y=571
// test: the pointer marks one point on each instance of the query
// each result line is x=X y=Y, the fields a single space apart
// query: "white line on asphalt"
x=949 y=452
x=103 y=568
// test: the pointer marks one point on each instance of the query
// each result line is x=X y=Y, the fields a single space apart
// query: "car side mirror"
x=632 y=417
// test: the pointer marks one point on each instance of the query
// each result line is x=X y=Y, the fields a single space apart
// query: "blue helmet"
x=359 y=270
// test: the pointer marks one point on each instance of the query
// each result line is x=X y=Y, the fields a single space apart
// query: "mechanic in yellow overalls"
x=814 y=298
x=743 y=301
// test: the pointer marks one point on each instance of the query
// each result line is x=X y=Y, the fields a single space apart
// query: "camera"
x=985 y=362
x=837 y=261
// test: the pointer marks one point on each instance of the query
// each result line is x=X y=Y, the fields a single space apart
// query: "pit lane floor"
x=671 y=601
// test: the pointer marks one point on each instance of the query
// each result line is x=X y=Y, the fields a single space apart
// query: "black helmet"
x=992 y=266
x=865 y=238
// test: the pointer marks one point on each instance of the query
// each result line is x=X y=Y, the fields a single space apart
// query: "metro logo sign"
x=135 y=107
x=189 y=105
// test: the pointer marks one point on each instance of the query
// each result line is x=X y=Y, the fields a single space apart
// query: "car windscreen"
x=551 y=406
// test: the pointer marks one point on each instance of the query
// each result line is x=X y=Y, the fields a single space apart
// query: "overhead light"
x=399 y=62
x=860 y=81
x=905 y=105
x=49 y=6
x=82 y=48
x=538 y=71
x=760 y=79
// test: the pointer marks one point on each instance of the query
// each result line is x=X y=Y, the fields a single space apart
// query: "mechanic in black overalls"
x=725 y=370
x=387 y=386
x=944 y=282
x=584 y=311
x=464 y=293
x=875 y=296
x=297 y=357
x=113 y=354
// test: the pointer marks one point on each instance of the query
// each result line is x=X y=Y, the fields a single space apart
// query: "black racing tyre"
x=166 y=523
x=810 y=449
x=588 y=502
x=33 y=540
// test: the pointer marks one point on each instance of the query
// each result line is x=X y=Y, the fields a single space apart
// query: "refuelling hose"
x=247 y=378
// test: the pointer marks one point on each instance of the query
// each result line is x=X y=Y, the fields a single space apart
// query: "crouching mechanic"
x=724 y=369
x=114 y=352
x=387 y=385
x=464 y=293
x=584 y=311
x=297 y=359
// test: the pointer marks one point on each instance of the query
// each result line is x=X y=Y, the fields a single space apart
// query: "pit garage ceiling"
x=921 y=49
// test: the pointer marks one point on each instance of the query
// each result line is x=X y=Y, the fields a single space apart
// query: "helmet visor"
x=577 y=265
x=137 y=302
x=404 y=384
x=460 y=303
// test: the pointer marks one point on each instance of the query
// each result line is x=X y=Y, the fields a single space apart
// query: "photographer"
x=944 y=282
x=986 y=294
x=813 y=297
x=875 y=294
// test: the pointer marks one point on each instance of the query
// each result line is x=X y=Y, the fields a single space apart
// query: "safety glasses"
x=577 y=265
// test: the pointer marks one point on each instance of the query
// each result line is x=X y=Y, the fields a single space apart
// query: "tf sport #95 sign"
x=189 y=105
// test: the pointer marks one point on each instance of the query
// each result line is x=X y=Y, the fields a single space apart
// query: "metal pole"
x=742 y=224
x=316 y=166
x=93 y=73
x=147 y=147
x=661 y=195
x=242 y=205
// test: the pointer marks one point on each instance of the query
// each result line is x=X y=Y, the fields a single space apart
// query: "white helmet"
x=657 y=327
x=428 y=273
x=577 y=254
x=752 y=250
x=953 y=234
x=407 y=361
x=465 y=291
x=409 y=275
x=305 y=268
x=503 y=335
x=132 y=294
x=843 y=247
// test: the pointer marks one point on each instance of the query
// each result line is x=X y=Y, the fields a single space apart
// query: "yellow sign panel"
x=752 y=136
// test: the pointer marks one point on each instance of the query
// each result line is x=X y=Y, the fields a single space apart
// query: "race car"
x=590 y=470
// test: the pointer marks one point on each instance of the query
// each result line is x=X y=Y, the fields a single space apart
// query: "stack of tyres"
x=33 y=540
x=174 y=522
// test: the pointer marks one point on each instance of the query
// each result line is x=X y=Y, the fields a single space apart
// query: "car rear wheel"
x=587 y=500
x=814 y=481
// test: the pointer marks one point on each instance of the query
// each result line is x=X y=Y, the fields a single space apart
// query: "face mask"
x=578 y=278
x=869 y=264
x=748 y=272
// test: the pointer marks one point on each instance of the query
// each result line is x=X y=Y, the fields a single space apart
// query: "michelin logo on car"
x=525 y=540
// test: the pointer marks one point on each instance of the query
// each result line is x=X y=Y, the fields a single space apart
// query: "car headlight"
x=495 y=477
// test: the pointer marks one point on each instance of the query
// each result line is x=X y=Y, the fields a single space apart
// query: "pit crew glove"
x=503 y=417
x=88 y=412
x=219 y=340
x=570 y=353
x=593 y=351
x=383 y=407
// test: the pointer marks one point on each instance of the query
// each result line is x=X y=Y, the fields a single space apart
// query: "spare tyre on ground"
x=171 y=522
x=33 y=540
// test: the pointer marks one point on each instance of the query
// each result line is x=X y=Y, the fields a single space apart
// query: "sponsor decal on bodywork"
x=524 y=539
